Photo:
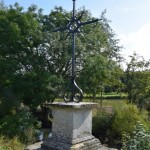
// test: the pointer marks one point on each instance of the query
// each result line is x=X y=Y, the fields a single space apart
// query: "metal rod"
x=89 y=22
x=73 y=15
x=73 y=63
x=73 y=55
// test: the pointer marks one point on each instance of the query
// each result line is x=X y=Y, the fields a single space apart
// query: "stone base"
x=89 y=144
x=72 y=127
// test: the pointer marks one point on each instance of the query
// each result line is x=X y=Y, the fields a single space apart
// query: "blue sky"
x=130 y=19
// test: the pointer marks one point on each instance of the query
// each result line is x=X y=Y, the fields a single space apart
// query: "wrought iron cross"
x=73 y=27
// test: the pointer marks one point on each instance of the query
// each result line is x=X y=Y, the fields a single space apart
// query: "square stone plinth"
x=71 y=127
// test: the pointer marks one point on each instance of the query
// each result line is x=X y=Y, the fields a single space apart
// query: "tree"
x=36 y=62
x=94 y=75
x=138 y=81
x=24 y=74
x=97 y=73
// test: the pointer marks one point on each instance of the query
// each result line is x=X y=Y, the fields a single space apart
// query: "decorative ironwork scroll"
x=76 y=94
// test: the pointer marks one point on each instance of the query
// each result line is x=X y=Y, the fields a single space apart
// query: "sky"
x=130 y=19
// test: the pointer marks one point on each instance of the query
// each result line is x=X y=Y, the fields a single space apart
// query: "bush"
x=101 y=125
x=125 y=118
x=109 y=128
x=140 y=140
x=20 y=124
x=13 y=144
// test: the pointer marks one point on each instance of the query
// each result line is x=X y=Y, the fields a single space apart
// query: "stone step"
x=37 y=146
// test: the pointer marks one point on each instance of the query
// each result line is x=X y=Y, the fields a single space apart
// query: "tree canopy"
x=35 y=62
x=138 y=81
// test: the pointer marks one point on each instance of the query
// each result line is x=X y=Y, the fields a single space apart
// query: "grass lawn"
x=112 y=102
x=107 y=102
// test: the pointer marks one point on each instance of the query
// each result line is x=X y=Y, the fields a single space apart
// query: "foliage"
x=94 y=74
x=26 y=74
x=125 y=118
x=110 y=126
x=99 y=72
x=10 y=144
x=140 y=140
x=20 y=124
x=101 y=125
x=138 y=81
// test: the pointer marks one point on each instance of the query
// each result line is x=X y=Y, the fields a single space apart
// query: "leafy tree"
x=138 y=81
x=35 y=62
x=24 y=73
x=94 y=75
x=97 y=73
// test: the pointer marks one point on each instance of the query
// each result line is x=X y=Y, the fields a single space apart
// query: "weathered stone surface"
x=36 y=146
x=91 y=144
x=63 y=105
x=72 y=122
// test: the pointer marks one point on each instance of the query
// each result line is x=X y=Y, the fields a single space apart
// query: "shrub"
x=21 y=124
x=11 y=144
x=125 y=118
x=101 y=125
x=140 y=140
x=109 y=128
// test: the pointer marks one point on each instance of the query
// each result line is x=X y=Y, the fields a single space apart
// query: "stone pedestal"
x=72 y=127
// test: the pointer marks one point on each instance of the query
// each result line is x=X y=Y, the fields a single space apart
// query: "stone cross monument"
x=72 y=119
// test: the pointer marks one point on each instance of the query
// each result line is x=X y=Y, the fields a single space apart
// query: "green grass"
x=107 y=102
x=113 y=95
x=112 y=102
x=10 y=144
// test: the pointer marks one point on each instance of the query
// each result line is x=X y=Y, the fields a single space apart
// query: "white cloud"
x=138 y=41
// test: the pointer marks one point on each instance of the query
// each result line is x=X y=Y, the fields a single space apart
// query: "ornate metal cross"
x=73 y=27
